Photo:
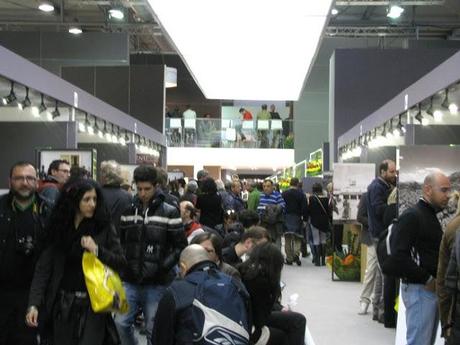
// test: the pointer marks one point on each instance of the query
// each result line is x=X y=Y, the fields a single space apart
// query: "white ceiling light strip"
x=247 y=50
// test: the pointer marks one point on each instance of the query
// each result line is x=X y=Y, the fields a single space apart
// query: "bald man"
x=176 y=322
x=416 y=255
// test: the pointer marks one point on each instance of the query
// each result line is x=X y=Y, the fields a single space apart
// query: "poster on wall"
x=416 y=162
x=86 y=159
x=350 y=182
x=315 y=163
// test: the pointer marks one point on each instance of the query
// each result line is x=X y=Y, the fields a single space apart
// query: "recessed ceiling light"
x=116 y=13
x=232 y=69
x=75 y=30
x=46 y=6
x=395 y=12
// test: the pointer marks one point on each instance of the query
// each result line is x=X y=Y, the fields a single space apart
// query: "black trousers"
x=291 y=323
x=390 y=291
x=13 y=328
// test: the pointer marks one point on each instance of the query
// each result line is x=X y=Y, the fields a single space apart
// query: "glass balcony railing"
x=205 y=132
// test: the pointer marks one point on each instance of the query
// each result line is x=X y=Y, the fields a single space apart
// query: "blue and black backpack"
x=219 y=307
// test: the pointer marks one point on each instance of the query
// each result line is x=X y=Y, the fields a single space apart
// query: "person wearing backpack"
x=416 y=250
x=203 y=307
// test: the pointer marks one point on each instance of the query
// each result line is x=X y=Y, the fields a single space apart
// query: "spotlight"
x=89 y=128
x=81 y=127
x=75 y=30
x=429 y=111
x=114 y=138
x=452 y=107
x=390 y=130
x=126 y=137
x=105 y=133
x=97 y=129
x=115 y=13
x=46 y=6
x=26 y=102
x=334 y=12
x=419 y=116
x=395 y=12
x=42 y=106
x=11 y=97
x=55 y=112
x=400 y=129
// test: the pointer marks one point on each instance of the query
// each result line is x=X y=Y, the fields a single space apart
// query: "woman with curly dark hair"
x=58 y=300
x=209 y=203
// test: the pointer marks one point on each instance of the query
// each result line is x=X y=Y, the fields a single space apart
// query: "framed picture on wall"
x=86 y=159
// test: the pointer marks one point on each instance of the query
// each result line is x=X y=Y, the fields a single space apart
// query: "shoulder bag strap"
x=321 y=204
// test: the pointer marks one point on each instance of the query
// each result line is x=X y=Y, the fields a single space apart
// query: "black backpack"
x=386 y=248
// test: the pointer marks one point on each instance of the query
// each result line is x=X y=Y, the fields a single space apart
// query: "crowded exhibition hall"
x=163 y=182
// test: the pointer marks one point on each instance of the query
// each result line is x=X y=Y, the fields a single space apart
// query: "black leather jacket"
x=27 y=243
x=152 y=241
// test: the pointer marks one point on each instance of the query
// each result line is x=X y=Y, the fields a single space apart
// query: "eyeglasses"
x=28 y=179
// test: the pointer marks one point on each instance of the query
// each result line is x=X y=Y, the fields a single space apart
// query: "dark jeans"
x=291 y=323
x=13 y=329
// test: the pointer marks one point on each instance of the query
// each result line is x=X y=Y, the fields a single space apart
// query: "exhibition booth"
x=420 y=130
x=44 y=117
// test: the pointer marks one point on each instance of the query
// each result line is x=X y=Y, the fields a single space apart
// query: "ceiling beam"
x=386 y=31
x=389 y=2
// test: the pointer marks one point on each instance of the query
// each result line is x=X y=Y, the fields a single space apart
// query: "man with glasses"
x=23 y=214
x=416 y=256
x=58 y=174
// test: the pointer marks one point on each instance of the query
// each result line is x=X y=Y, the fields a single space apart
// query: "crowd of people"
x=167 y=241
x=413 y=251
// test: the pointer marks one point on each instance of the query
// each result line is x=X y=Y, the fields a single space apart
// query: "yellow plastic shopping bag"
x=104 y=286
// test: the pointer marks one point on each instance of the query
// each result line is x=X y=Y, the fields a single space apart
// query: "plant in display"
x=347 y=263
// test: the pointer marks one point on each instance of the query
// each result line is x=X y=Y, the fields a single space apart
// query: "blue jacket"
x=377 y=196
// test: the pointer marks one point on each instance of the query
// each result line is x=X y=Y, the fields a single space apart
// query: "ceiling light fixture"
x=26 y=102
x=97 y=129
x=75 y=30
x=390 y=130
x=446 y=104
x=229 y=71
x=419 y=116
x=334 y=11
x=46 y=6
x=89 y=128
x=429 y=111
x=400 y=129
x=395 y=11
x=438 y=115
x=42 y=106
x=11 y=96
x=114 y=136
x=55 y=112
x=116 y=13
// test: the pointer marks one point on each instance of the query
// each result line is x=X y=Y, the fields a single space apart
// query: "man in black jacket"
x=23 y=214
x=295 y=215
x=416 y=258
x=377 y=196
x=152 y=236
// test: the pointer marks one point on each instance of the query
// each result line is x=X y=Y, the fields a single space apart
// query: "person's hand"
x=32 y=317
x=431 y=285
x=88 y=243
